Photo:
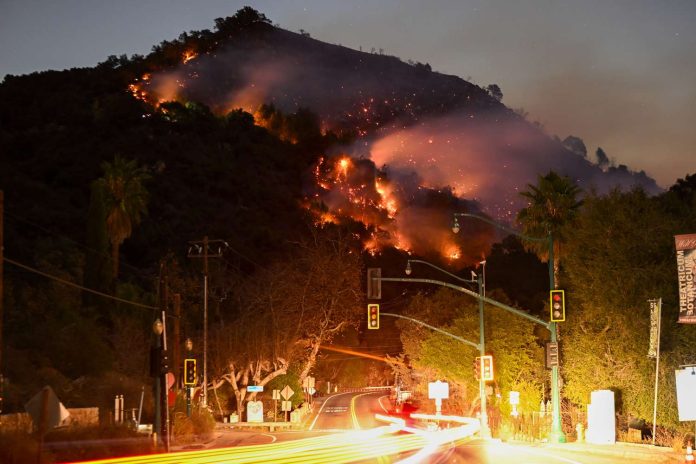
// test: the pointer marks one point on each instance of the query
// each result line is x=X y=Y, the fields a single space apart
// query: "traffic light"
x=477 y=367
x=164 y=362
x=159 y=361
x=189 y=372
x=373 y=316
x=487 y=368
x=557 y=305
x=374 y=283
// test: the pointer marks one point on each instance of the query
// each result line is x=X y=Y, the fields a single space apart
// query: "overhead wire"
x=78 y=286
x=71 y=240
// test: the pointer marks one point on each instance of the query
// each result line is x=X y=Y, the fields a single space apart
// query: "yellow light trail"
x=358 y=445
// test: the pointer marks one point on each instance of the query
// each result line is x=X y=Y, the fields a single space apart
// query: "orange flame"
x=188 y=56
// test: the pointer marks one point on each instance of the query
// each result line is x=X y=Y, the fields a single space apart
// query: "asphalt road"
x=344 y=430
x=350 y=411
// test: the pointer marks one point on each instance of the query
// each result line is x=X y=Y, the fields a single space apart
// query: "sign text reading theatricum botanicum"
x=686 y=268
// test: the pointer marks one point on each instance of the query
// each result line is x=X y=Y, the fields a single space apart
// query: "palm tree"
x=553 y=204
x=126 y=201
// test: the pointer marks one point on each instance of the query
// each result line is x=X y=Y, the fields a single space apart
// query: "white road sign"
x=287 y=392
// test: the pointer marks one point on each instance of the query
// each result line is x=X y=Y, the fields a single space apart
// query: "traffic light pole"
x=485 y=429
x=557 y=435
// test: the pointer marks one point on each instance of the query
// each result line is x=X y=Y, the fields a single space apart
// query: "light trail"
x=340 y=349
x=352 y=446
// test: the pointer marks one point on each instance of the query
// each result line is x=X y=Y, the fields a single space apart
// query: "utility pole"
x=2 y=260
x=205 y=249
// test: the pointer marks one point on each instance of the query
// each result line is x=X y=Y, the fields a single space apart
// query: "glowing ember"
x=188 y=56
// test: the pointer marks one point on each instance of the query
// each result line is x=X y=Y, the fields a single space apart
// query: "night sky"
x=619 y=74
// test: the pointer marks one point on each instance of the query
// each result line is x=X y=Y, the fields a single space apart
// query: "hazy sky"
x=619 y=74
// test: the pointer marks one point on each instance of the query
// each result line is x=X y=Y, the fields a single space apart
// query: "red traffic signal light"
x=557 y=305
x=189 y=372
x=373 y=316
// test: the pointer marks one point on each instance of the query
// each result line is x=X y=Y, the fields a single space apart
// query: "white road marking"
x=311 y=427
x=379 y=400
x=548 y=455
x=273 y=437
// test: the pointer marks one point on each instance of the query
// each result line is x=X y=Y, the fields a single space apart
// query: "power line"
x=65 y=237
x=73 y=284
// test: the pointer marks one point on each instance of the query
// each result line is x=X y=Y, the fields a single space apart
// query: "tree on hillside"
x=602 y=158
x=553 y=204
x=576 y=145
x=126 y=201
x=494 y=91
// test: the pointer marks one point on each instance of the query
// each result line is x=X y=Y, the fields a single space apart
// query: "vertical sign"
x=551 y=354
x=686 y=386
x=655 y=311
x=686 y=268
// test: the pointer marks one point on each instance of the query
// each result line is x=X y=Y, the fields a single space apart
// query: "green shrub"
x=203 y=422
x=182 y=429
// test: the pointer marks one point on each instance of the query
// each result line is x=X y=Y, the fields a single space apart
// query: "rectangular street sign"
x=255 y=388
x=551 y=354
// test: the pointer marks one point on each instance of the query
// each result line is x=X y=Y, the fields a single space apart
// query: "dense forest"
x=105 y=187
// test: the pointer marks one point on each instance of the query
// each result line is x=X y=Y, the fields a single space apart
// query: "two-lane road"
x=350 y=411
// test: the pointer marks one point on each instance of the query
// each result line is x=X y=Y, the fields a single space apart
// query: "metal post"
x=189 y=348
x=164 y=397
x=140 y=409
x=557 y=435
x=2 y=259
x=657 y=367
x=157 y=422
x=204 y=399
x=188 y=401
x=485 y=430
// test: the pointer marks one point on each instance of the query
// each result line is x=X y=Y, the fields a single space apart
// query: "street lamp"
x=557 y=434
x=485 y=430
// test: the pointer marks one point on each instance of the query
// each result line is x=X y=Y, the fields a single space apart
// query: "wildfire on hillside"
x=405 y=213
x=346 y=189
